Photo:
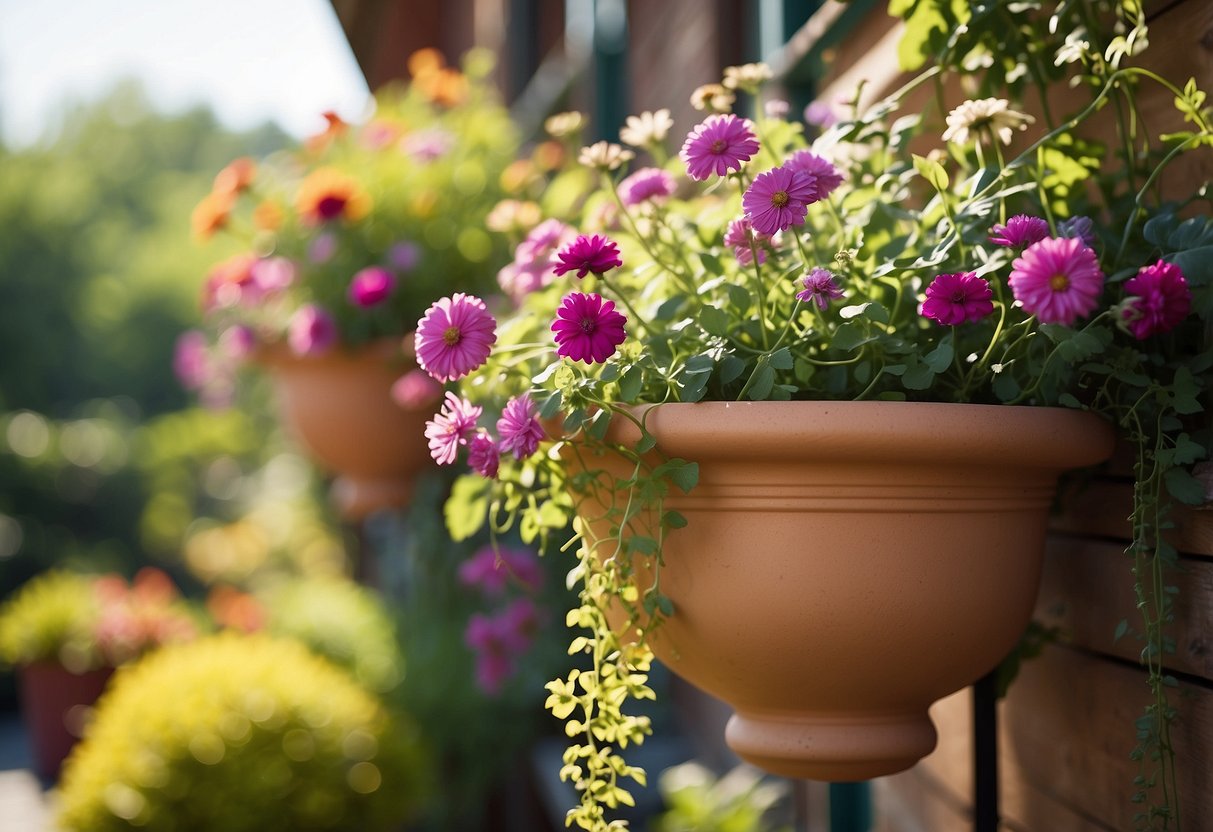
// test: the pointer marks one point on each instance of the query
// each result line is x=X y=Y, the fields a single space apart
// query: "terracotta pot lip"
x=875 y=431
x=279 y=352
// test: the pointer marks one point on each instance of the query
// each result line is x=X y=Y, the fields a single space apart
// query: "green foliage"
x=240 y=734
x=51 y=618
x=698 y=801
x=341 y=621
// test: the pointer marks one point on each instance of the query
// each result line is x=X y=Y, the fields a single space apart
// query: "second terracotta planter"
x=846 y=564
x=339 y=407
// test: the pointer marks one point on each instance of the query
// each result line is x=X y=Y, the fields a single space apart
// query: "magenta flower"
x=237 y=342
x=1081 y=227
x=415 y=390
x=596 y=253
x=371 y=286
x=958 y=298
x=719 y=144
x=778 y=199
x=454 y=337
x=519 y=427
x=192 y=360
x=490 y=570
x=1159 y=299
x=820 y=287
x=1019 y=232
x=646 y=184
x=450 y=428
x=404 y=256
x=483 y=455
x=825 y=176
x=311 y=331
x=745 y=241
x=820 y=114
x=1057 y=279
x=588 y=328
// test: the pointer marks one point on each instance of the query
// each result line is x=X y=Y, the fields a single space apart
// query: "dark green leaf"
x=1184 y=487
x=714 y=321
x=551 y=405
x=763 y=381
x=673 y=520
x=781 y=359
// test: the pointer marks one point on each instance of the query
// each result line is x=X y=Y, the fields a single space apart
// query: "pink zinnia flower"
x=719 y=144
x=825 y=176
x=428 y=145
x=1159 y=299
x=646 y=184
x=415 y=390
x=820 y=287
x=192 y=360
x=954 y=299
x=543 y=240
x=311 y=331
x=519 y=427
x=588 y=328
x=595 y=253
x=1019 y=232
x=450 y=428
x=778 y=199
x=273 y=274
x=454 y=337
x=1057 y=279
x=745 y=241
x=483 y=455
x=371 y=286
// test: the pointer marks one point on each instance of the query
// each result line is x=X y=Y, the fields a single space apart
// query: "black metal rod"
x=985 y=753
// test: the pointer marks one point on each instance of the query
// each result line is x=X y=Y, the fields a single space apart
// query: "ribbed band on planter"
x=846 y=564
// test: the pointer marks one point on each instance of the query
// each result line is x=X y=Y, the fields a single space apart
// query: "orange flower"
x=328 y=194
x=445 y=87
x=425 y=62
x=516 y=177
x=336 y=127
x=235 y=610
x=267 y=216
x=211 y=214
x=236 y=177
x=549 y=155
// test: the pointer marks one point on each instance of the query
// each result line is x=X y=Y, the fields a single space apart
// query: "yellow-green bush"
x=238 y=733
x=341 y=621
x=51 y=618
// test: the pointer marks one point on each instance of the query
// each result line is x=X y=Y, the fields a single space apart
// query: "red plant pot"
x=55 y=703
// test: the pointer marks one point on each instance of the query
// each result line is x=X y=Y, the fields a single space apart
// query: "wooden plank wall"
x=1066 y=729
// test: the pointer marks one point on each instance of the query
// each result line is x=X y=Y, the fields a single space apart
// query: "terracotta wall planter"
x=847 y=564
x=339 y=408
x=54 y=703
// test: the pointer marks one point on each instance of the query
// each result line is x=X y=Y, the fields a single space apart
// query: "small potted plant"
x=65 y=632
x=805 y=405
x=343 y=242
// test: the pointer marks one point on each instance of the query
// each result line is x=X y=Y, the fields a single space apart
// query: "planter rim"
x=278 y=353
x=945 y=433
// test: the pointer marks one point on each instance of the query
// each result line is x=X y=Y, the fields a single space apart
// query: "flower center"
x=588 y=326
x=451 y=336
x=958 y=296
x=779 y=199
x=331 y=206
x=719 y=146
x=1059 y=283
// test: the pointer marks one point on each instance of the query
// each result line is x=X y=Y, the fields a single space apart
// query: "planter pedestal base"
x=356 y=497
x=831 y=747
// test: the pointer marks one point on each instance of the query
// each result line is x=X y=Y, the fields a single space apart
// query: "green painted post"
x=850 y=807
x=610 y=67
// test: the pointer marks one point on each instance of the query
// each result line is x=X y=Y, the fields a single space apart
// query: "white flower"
x=712 y=97
x=604 y=156
x=647 y=128
x=563 y=124
x=1075 y=48
x=748 y=77
x=988 y=117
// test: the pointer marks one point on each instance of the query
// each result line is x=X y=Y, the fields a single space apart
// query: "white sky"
x=252 y=60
